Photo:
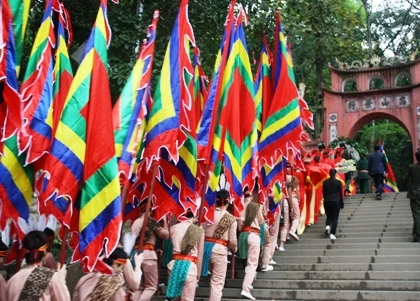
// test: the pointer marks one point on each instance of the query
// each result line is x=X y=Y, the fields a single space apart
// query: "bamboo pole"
x=63 y=250
x=146 y=213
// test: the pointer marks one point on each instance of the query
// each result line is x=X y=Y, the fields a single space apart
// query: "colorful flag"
x=178 y=159
x=282 y=128
x=200 y=81
x=20 y=11
x=239 y=119
x=37 y=92
x=390 y=184
x=209 y=132
x=16 y=184
x=168 y=122
x=263 y=86
x=129 y=112
x=83 y=153
x=63 y=75
x=10 y=101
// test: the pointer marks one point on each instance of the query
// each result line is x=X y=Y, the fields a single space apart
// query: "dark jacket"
x=332 y=191
x=377 y=163
x=413 y=189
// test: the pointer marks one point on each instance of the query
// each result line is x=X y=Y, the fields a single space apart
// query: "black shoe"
x=378 y=197
x=415 y=240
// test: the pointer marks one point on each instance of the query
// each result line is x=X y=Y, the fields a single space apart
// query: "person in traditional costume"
x=149 y=267
x=265 y=242
x=187 y=259
x=220 y=236
x=249 y=241
x=97 y=286
x=293 y=202
x=35 y=282
x=3 y=253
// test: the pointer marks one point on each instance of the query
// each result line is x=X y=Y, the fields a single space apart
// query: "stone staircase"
x=373 y=258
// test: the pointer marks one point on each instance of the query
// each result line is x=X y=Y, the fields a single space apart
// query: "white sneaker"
x=251 y=287
x=272 y=262
x=327 y=230
x=294 y=236
x=267 y=268
x=332 y=237
x=282 y=249
x=247 y=295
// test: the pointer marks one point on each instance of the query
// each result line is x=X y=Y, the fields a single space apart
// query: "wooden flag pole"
x=63 y=250
x=232 y=264
x=146 y=213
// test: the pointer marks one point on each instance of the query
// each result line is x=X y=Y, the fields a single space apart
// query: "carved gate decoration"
x=362 y=92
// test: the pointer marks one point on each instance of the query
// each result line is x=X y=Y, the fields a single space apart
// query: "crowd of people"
x=191 y=251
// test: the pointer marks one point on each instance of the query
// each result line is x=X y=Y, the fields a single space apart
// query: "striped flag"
x=16 y=182
x=20 y=11
x=63 y=74
x=282 y=127
x=390 y=184
x=239 y=119
x=129 y=112
x=37 y=92
x=209 y=131
x=171 y=128
x=83 y=153
x=10 y=101
x=168 y=122
x=200 y=81
x=263 y=86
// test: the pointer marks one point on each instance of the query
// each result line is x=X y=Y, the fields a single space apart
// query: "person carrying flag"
x=413 y=193
x=36 y=282
x=149 y=267
x=249 y=241
x=377 y=168
x=220 y=236
x=99 y=286
x=187 y=259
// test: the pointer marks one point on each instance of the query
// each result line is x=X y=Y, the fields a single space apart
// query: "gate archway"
x=347 y=112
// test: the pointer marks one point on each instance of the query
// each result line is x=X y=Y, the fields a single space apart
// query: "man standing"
x=413 y=193
x=377 y=170
x=219 y=236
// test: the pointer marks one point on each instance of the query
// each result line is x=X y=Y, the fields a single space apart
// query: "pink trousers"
x=266 y=257
x=295 y=215
x=284 y=230
x=274 y=233
x=252 y=263
x=149 y=281
x=218 y=276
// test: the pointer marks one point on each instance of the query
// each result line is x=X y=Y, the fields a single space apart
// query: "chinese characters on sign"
x=402 y=101
x=333 y=132
x=385 y=102
x=368 y=104
x=352 y=105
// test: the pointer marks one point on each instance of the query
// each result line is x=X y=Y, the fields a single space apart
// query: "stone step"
x=378 y=274
x=323 y=284
x=285 y=266
x=304 y=294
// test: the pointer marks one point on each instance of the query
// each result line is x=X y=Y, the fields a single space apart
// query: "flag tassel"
x=146 y=213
